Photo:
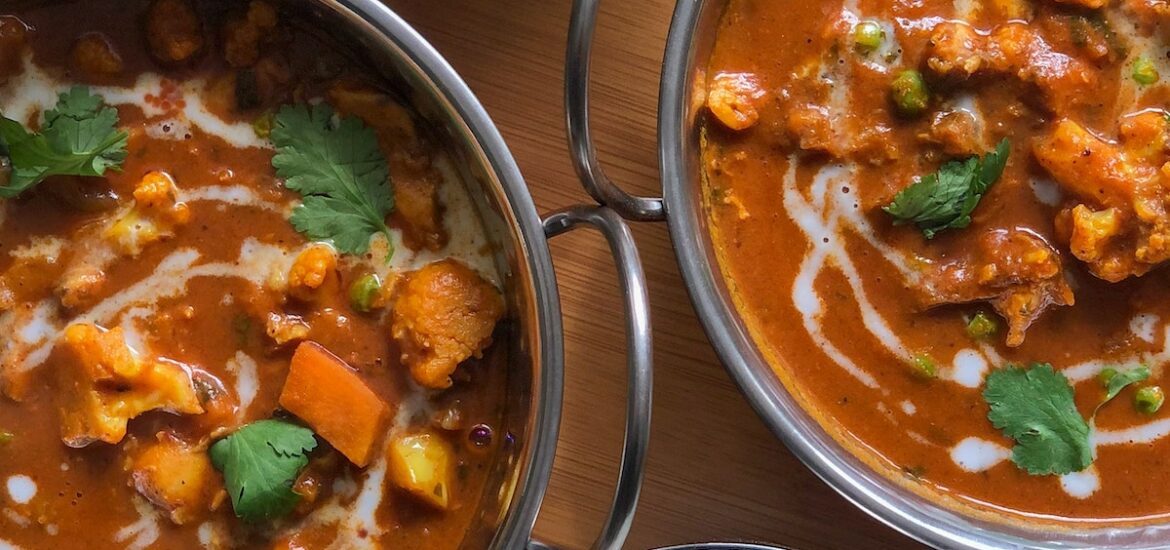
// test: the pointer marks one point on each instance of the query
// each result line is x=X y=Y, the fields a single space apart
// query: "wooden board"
x=714 y=472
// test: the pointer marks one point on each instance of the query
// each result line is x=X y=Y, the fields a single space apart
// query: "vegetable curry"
x=945 y=224
x=244 y=299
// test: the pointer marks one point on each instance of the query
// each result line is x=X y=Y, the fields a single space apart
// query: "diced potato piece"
x=93 y=56
x=445 y=314
x=107 y=383
x=157 y=211
x=311 y=269
x=422 y=464
x=177 y=478
x=173 y=31
x=734 y=99
x=328 y=395
x=243 y=36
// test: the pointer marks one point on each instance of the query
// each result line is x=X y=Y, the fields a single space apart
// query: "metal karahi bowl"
x=520 y=236
x=681 y=98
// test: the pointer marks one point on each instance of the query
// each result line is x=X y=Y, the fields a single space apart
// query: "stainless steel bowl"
x=681 y=97
x=506 y=514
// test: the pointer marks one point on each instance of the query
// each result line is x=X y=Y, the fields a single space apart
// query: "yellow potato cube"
x=422 y=465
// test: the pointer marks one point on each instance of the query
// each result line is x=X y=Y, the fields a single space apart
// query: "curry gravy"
x=798 y=165
x=210 y=295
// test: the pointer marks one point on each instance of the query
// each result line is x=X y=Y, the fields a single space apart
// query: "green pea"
x=364 y=291
x=982 y=326
x=263 y=125
x=1149 y=399
x=1106 y=375
x=868 y=35
x=909 y=93
x=924 y=366
x=1144 y=72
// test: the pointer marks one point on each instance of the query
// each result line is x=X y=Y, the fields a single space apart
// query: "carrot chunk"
x=326 y=393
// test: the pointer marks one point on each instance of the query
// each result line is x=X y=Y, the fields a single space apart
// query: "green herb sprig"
x=1035 y=407
x=79 y=137
x=260 y=462
x=338 y=168
x=945 y=199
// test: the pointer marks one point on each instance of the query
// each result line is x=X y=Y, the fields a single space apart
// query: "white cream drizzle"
x=21 y=489
x=247 y=379
x=978 y=455
x=141 y=534
x=35 y=90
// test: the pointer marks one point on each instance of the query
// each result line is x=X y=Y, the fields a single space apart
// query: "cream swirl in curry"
x=946 y=225
x=245 y=300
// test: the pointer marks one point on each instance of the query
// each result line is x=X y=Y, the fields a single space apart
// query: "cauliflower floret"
x=243 y=36
x=1119 y=225
x=283 y=329
x=733 y=99
x=93 y=56
x=445 y=314
x=958 y=51
x=310 y=270
x=176 y=477
x=1015 y=271
x=106 y=384
x=416 y=181
x=157 y=211
x=173 y=31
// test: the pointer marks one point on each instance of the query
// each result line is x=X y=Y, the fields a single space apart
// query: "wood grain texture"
x=715 y=472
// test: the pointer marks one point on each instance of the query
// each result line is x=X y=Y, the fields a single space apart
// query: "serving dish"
x=517 y=236
x=681 y=101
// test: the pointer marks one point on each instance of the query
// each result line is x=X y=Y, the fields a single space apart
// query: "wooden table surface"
x=714 y=471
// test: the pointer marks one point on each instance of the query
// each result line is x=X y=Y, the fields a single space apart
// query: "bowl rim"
x=453 y=93
x=898 y=508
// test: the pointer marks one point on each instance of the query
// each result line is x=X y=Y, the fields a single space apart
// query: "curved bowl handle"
x=584 y=153
x=640 y=360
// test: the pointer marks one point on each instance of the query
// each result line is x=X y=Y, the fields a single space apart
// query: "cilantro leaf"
x=260 y=462
x=338 y=168
x=945 y=199
x=79 y=137
x=1035 y=407
x=1123 y=379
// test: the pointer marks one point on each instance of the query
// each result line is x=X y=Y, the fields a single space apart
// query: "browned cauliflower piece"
x=312 y=268
x=173 y=31
x=1015 y=271
x=1118 y=222
x=445 y=313
x=283 y=329
x=957 y=132
x=416 y=182
x=105 y=384
x=958 y=51
x=157 y=212
x=94 y=57
x=734 y=98
x=243 y=36
x=176 y=477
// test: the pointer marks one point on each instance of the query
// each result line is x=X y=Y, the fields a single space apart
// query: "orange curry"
x=919 y=205
x=244 y=299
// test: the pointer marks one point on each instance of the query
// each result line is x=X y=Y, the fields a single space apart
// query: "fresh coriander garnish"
x=945 y=199
x=1035 y=407
x=260 y=462
x=79 y=137
x=339 y=170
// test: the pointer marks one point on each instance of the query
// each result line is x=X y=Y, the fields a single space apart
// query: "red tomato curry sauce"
x=909 y=281
x=209 y=347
